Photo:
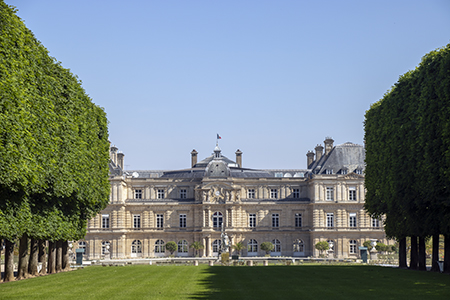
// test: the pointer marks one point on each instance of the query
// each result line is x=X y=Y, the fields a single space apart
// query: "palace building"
x=291 y=208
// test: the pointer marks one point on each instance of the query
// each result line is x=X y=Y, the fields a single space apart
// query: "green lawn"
x=258 y=282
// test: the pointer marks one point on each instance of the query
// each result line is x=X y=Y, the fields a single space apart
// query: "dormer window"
x=344 y=171
x=329 y=171
x=358 y=171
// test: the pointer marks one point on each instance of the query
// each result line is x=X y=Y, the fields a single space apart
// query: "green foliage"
x=368 y=245
x=322 y=246
x=267 y=247
x=393 y=248
x=197 y=246
x=381 y=247
x=238 y=247
x=407 y=135
x=53 y=141
x=171 y=247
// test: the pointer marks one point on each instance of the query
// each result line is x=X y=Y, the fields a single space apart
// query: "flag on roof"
x=219 y=137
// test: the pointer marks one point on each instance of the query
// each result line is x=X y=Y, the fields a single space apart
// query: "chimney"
x=328 y=145
x=193 y=158
x=120 y=156
x=239 y=158
x=310 y=158
x=113 y=153
x=319 y=152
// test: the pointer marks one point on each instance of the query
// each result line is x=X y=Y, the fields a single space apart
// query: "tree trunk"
x=447 y=253
x=22 y=271
x=33 y=262
x=402 y=253
x=51 y=257
x=422 y=254
x=9 y=261
x=435 y=255
x=65 y=256
x=414 y=254
x=58 y=256
x=43 y=256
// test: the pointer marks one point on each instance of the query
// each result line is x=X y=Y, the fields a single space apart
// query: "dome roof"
x=217 y=168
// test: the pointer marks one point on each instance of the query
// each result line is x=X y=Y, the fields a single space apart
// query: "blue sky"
x=273 y=78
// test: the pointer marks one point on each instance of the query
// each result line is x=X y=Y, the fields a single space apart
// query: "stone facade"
x=294 y=209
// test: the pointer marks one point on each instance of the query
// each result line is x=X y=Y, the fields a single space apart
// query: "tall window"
x=217 y=219
x=276 y=245
x=298 y=246
x=105 y=221
x=298 y=220
x=106 y=247
x=252 y=220
x=216 y=245
x=183 y=246
x=138 y=194
x=183 y=194
x=159 y=246
x=352 y=246
x=352 y=193
x=182 y=220
x=273 y=193
x=251 y=193
x=252 y=246
x=330 y=220
x=330 y=193
x=159 y=221
x=275 y=220
x=136 y=221
x=375 y=222
x=136 y=247
x=331 y=245
x=352 y=220
x=296 y=193
x=161 y=194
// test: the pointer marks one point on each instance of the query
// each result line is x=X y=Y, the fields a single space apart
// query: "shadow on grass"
x=318 y=281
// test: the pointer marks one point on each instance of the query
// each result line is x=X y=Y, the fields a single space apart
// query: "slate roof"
x=347 y=156
x=203 y=163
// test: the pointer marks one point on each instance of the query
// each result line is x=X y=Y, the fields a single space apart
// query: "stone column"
x=208 y=246
x=204 y=249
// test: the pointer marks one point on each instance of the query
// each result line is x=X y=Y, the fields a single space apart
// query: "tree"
x=53 y=143
x=407 y=136
x=197 y=246
x=368 y=245
x=171 y=247
x=238 y=247
x=322 y=246
x=267 y=247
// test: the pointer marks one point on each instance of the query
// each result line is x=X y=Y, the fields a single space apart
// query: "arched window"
x=183 y=246
x=136 y=247
x=276 y=245
x=216 y=245
x=331 y=245
x=298 y=246
x=159 y=246
x=352 y=247
x=217 y=219
x=82 y=245
x=252 y=246
x=106 y=247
